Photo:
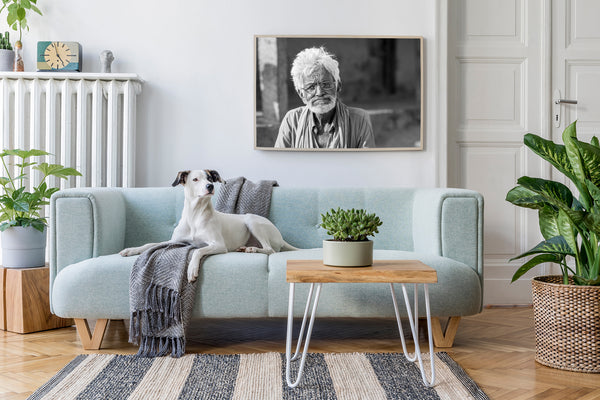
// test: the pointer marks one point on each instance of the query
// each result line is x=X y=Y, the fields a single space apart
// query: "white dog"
x=201 y=224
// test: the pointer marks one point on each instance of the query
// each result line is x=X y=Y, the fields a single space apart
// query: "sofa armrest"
x=85 y=223
x=449 y=222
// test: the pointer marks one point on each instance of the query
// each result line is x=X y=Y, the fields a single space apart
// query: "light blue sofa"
x=89 y=280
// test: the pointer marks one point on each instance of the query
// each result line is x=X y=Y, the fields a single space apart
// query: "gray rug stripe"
x=56 y=379
x=118 y=380
x=316 y=382
x=212 y=377
x=462 y=376
x=400 y=378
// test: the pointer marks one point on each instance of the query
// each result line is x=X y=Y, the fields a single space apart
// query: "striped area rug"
x=256 y=377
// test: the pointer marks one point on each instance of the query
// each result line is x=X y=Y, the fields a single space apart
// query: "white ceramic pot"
x=23 y=247
x=347 y=254
x=7 y=59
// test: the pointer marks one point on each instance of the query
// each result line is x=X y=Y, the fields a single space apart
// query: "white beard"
x=322 y=108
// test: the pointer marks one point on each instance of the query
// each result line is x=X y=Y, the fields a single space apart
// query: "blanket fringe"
x=151 y=346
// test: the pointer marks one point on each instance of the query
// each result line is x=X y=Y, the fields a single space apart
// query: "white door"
x=508 y=63
x=576 y=67
x=495 y=83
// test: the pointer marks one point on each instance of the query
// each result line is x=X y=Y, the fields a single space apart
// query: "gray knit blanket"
x=161 y=299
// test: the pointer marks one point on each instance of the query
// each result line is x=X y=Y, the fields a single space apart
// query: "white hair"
x=308 y=59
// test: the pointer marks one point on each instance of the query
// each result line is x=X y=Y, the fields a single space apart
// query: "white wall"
x=196 y=109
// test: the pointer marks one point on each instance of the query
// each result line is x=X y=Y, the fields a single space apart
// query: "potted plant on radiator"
x=23 y=228
x=350 y=229
x=567 y=306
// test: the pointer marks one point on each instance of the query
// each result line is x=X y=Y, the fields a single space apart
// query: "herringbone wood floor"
x=496 y=348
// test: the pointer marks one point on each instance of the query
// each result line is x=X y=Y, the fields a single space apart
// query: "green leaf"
x=21 y=13
x=567 y=230
x=590 y=156
x=569 y=137
x=555 y=154
x=37 y=10
x=555 y=245
x=11 y=18
x=535 y=261
x=547 y=218
x=523 y=197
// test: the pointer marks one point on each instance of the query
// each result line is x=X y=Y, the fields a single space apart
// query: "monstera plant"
x=569 y=225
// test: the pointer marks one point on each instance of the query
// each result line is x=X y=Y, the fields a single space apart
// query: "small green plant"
x=570 y=226
x=350 y=225
x=5 y=41
x=17 y=13
x=18 y=207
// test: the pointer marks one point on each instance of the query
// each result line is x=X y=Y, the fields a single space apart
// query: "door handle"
x=565 y=101
x=557 y=102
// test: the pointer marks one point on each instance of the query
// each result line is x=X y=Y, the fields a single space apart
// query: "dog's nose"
x=210 y=187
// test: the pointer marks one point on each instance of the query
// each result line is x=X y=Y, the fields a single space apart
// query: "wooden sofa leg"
x=444 y=338
x=88 y=340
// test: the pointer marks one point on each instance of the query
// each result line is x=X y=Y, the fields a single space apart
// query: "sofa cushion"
x=455 y=280
x=229 y=285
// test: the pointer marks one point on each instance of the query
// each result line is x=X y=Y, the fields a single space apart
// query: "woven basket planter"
x=567 y=324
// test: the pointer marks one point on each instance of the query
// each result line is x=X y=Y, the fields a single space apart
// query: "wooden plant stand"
x=24 y=303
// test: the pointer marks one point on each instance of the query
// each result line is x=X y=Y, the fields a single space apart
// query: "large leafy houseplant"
x=570 y=226
x=18 y=206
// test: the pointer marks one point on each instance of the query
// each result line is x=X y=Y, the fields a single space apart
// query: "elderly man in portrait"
x=324 y=121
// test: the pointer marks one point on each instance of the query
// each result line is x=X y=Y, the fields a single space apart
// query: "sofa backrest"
x=297 y=214
x=153 y=213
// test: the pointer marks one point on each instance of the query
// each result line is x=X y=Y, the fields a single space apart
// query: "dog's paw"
x=127 y=252
x=241 y=249
x=250 y=249
x=192 y=273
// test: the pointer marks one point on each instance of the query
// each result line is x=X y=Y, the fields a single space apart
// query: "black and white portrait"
x=338 y=93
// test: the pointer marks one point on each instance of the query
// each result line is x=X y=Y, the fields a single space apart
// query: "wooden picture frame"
x=381 y=75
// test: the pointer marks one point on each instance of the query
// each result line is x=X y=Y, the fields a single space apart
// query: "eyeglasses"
x=312 y=88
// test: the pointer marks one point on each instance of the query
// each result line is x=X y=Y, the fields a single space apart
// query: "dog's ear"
x=181 y=178
x=213 y=175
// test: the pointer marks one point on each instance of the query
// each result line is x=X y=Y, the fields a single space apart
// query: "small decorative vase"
x=347 y=254
x=7 y=59
x=23 y=247
x=19 y=65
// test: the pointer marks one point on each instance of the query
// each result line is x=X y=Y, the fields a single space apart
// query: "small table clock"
x=59 y=56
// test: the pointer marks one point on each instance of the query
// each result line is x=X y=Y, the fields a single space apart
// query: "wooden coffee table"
x=382 y=271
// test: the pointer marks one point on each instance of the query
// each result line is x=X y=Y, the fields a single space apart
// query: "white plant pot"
x=347 y=254
x=7 y=60
x=23 y=247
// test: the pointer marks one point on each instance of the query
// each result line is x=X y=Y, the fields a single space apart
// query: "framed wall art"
x=338 y=93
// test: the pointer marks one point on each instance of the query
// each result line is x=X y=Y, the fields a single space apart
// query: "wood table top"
x=382 y=271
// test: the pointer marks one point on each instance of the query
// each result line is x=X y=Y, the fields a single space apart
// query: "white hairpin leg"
x=288 y=342
x=413 y=319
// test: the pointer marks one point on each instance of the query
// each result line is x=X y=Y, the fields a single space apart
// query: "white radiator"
x=87 y=121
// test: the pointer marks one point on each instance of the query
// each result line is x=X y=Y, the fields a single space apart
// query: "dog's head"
x=199 y=182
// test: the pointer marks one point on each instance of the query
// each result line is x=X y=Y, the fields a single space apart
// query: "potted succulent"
x=567 y=306
x=350 y=246
x=23 y=228
x=7 y=55
x=17 y=20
